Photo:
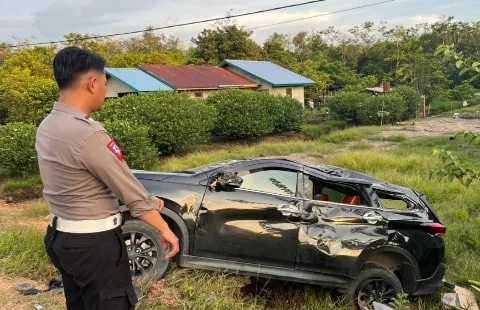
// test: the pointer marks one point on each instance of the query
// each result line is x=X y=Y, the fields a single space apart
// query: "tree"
x=5 y=52
x=25 y=97
x=37 y=60
x=453 y=167
x=226 y=41
x=276 y=49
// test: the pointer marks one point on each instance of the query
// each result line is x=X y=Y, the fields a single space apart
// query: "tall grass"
x=322 y=128
x=38 y=209
x=351 y=134
x=195 y=159
x=22 y=253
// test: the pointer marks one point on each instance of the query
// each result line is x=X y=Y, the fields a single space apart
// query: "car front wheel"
x=373 y=284
x=146 y=255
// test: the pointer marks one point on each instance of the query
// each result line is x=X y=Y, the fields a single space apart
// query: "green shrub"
x=175 y=121
x=17 y=149
x=134 y=141
x=441 y=105
x=370 y=111
x=412 y=100
x=288 y=114
x=25 y=97
x=345 y=104
x=242 y=113
x=463 y=91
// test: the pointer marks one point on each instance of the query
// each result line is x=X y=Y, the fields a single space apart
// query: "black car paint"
x=243 y=230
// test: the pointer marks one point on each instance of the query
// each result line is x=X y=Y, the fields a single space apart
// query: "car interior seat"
x=351 y=200
x=322 y=197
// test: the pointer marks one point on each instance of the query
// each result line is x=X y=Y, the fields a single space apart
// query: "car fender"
x=173 y=216
x=391 y=256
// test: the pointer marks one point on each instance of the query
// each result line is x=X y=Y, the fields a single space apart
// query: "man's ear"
x=92 y=83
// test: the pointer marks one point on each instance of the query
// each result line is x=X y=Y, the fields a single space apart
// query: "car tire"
x=145 y=250
x=373 y=283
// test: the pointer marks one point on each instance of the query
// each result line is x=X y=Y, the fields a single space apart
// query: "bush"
x=441 y=105
x=370 y=111
x=243 y=114
x=25 y=97
x=288 y=114
x=175 y=121
x=17 y=149
x=135 y=143
x=345 y=104
x=412 y=100
x=463 y=91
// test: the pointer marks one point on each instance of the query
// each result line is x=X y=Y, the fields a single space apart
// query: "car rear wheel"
x=373 y=284
x=146 y=255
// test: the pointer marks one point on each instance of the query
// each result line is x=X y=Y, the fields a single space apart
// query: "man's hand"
x=160 y=205
x=168 y=237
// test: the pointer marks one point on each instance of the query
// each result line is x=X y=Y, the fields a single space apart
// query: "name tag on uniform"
x=115 y=149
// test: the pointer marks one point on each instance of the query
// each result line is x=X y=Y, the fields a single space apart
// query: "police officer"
x=84 y=174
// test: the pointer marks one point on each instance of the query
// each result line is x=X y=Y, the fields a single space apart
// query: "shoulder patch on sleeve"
x=115 y=149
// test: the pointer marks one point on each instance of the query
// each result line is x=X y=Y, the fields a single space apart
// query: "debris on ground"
x=54 y=286
x=462 y=298
x=379 y=306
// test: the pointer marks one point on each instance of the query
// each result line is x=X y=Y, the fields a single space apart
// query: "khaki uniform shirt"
x=83 y=170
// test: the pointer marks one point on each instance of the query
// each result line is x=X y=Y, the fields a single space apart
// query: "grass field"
x=21 y=250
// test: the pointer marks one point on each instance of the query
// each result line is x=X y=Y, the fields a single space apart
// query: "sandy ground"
x=435 y=126
x=12 y=300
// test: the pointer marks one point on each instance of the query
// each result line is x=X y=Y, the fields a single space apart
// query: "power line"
x=323 y=14
x=172 y=26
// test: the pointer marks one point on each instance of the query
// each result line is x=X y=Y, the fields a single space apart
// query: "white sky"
x=45 y=20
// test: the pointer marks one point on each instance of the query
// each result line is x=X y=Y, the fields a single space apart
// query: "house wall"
x=297 y=92
x=115 y=87
x=192 y=93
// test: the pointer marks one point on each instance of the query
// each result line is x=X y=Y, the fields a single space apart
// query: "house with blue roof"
x=272 y=78
x=123 y=81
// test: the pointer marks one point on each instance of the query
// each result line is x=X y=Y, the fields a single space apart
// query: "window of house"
x=289 y=92
x=275 y=181
x=198 y=94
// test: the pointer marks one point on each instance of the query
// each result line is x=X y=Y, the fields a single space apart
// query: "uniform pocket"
x=123 y=256
x=117 y=298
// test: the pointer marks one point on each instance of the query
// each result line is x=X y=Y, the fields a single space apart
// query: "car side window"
x=393 y=202
x=275 y=181
x=320 y=190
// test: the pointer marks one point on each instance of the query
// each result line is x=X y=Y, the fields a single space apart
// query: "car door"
x=346 y=225
x=244 y=224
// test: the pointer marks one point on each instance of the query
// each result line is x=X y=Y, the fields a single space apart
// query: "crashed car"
x=293 y=221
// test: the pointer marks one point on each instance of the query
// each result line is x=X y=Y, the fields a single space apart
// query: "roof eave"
x=293 y=85
x=122 y=81
x=226 y=62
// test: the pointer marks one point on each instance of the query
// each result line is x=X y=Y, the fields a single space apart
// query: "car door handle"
x=372 y=218
x=202 y=210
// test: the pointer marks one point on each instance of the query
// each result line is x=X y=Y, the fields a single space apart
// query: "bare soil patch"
x=434 y=126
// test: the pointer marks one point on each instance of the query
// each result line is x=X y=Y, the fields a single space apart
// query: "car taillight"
x=437 y=229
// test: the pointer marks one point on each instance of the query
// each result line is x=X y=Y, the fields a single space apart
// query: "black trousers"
x=94 y=268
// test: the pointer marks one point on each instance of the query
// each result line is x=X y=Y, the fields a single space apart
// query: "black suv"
x=292 y=221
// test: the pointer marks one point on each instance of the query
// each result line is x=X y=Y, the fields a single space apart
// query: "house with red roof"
x=198 y=81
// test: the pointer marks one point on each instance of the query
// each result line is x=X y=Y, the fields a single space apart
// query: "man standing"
x=84 y=175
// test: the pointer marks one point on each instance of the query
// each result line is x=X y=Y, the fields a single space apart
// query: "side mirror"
x=224 y=180
x=288 y=210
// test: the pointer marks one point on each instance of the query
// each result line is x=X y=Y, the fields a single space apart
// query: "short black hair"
x=73 y=61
